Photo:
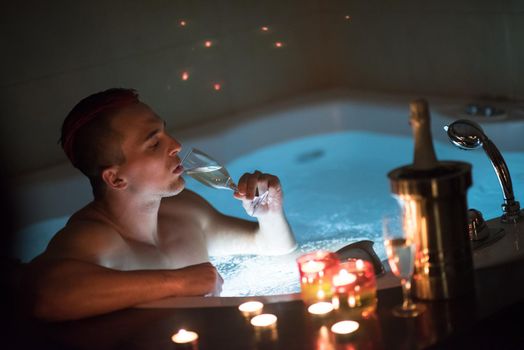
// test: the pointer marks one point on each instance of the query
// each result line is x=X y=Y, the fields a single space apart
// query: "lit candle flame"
x=320 y=308
x=208 y=43
x=182 y=23
x=343 y=278
x=264 y=29
x=251 y=306
x=217 y=86
x=264 y=320
x=320 y=294
x=344 y=327
x=183 y=336
x=279 y=44
x=352 y=301
x=313 y=266
x=185 y=75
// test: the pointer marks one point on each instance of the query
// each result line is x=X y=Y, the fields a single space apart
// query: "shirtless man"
x=143 y=237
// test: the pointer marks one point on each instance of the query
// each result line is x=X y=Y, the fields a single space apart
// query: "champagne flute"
x=400 y=248
x=208 y=171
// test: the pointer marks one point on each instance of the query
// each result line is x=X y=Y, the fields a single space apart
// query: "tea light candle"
x=185 y=337
x=352 y=301
x=264 y=321
x=251 y=308
x=344 y=327
x=320 y=308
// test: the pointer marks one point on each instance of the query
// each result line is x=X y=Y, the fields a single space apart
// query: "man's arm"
x=65 y=289
x=74 y=277
x=227 y=235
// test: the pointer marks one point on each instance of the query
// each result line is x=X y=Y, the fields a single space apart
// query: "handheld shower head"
x=466 y=134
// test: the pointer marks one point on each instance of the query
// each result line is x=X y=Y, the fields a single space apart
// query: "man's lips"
x=178 y=170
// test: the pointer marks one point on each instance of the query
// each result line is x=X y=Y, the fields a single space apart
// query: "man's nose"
x=174 y=147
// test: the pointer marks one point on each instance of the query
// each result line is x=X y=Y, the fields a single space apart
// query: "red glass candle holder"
x=315 y=275
x=354 y=287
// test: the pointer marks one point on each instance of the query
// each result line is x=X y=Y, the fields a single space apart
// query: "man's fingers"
x=274 y=186
x=242 y=183
x=252 y=183
x=263 y=183
x=256 y=184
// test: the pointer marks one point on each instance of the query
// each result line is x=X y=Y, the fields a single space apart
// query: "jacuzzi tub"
x=367 y=118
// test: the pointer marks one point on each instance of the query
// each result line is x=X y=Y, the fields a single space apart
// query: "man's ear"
x=113 y=179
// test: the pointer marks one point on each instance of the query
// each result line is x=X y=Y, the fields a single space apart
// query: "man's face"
x=152 y=162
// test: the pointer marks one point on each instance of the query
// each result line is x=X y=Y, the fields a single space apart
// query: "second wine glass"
x=401 y=249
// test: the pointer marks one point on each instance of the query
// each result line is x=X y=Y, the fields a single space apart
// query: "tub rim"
x=384 y=281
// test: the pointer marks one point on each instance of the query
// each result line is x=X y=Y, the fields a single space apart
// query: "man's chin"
x=177 y=187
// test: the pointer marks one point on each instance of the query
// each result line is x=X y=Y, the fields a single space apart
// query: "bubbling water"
x=336 y=192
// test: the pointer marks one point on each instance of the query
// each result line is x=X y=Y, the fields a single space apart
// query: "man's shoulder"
x=85 y=239
x=187 y=206
x=90 y=229
x=89 y=223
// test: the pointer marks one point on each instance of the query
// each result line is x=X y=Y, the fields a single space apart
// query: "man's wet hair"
x=87 y=137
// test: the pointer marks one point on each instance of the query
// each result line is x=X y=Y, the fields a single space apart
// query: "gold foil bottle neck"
x=419 y=108
x=424 y=155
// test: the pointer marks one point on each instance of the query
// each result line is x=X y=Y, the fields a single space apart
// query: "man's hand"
x=255 y=184
x=203 y=279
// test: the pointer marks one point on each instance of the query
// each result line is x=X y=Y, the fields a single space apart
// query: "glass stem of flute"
x=231 y=185
x=256 y=201
x=406 y=292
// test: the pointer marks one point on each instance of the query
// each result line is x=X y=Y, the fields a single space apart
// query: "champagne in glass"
x=215 y=176
x=401 y=249
x=209 y=172
x=401 y=254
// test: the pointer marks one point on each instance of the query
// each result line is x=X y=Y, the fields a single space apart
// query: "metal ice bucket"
x=434 y=204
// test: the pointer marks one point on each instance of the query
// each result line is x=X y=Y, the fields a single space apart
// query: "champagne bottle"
x=424 y=155
x=432 y=196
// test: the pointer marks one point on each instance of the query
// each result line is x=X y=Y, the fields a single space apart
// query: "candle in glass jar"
x=315 y=278
x=354 y=286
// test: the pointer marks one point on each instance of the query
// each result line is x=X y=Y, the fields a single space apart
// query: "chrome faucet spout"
x=468 y=135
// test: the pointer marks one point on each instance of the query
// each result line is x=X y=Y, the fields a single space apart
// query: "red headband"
x=90 y=108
